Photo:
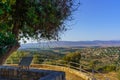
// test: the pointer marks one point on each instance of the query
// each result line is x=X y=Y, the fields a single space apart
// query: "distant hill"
x=55 y=44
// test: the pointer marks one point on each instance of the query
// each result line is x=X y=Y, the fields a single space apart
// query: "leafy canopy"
x=73 y=57
x=37 y=19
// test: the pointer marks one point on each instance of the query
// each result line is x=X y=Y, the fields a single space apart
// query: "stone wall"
x=83 y=75
x=54 y=76
x=31 y=74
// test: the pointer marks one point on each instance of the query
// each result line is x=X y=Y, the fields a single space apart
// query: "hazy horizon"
x=33 y=41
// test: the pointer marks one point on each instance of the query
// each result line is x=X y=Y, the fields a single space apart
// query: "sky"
x=94 y=20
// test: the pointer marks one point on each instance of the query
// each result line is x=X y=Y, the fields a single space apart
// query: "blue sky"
x=95 y=20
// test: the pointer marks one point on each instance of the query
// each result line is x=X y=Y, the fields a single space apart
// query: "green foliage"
x=93 y=64
x=37 y=59
x=105 y=68
x=16 y=57
x=1 y=12
x=109 y=68
x=5 y=10
x=72 y=57
x=6 y=40
x=89 y=58
x=103 y=59
x=36 y=19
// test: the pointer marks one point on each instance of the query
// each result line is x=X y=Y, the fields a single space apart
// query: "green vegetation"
x=34 y=19
x=16 y=57
x=104 y=60
x=6 y=40
x=38 y=57
x=100 y=59
x=31 y=19
x=72 y=57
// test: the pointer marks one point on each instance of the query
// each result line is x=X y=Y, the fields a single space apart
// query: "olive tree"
x=35 y=19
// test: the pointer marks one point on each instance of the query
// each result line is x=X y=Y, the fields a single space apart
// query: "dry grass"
x=110 y=75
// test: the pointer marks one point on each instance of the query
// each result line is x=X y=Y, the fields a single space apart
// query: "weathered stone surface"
x=13 y=73
x=83 y=75
x=54 y=76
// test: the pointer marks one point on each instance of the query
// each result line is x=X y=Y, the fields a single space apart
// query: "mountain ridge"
x=52 y=44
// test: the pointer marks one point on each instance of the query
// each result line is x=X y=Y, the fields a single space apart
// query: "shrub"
x=72 y=58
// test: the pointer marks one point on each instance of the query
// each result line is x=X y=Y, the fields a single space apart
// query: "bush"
x=37 y=59
x=107 y=68
x=72 y=58
x=110 y=68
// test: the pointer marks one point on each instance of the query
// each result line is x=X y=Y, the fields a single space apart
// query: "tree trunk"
x=10 y=50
